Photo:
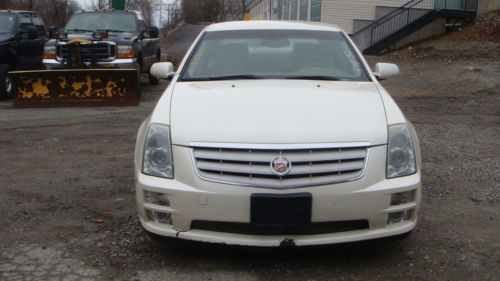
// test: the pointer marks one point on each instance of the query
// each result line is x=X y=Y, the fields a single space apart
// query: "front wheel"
x=139 y=89
x=6 y=87
x=153 y=80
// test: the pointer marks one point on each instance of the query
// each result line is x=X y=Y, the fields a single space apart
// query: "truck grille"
x=102 y=51
x=256 y=167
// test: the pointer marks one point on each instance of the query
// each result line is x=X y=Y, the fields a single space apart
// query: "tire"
x=153 y=80
x=139 y=88
x=6 y=87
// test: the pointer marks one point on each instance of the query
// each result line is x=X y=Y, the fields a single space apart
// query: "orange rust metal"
x=75 y=87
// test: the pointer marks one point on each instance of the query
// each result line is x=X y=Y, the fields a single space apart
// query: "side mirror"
x=53 y=34
x=386 y=70
x=32 y=32
x=163 y=70
x=154 y=32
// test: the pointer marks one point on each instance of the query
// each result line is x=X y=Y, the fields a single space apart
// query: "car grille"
x=253 y=167
x=102 y=51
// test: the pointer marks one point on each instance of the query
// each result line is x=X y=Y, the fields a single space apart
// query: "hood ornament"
x=280 y=166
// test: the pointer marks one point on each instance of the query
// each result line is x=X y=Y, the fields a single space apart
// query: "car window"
x=7 y=23
x=103 y=21
x=24 y=22
x=142 y=25
x=40 y=26
x=275 y=54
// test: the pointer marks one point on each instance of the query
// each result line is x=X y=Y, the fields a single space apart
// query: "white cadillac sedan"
x=276 y=134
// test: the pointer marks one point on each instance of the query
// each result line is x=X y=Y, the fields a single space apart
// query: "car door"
x=42 y=37
x=146 y=45
x=28 y=49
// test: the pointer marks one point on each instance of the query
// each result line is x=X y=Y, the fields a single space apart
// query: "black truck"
x=22 y=39
x=105 y=39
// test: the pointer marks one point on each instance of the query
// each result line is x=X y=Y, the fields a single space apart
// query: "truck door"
x=28 y=48
x=146 y=45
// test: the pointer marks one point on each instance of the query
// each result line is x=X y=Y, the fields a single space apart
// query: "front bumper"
x=117 y=63
x=192 y=198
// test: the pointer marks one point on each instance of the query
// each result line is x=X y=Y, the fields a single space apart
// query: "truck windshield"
x=7 y=23
x=274 y=54
x=88 y=21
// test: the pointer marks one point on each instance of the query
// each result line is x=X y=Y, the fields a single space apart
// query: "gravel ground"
x=67 y=206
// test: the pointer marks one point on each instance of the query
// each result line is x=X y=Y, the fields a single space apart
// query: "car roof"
x=109 y=11
x=262 y=24
x=18 y=12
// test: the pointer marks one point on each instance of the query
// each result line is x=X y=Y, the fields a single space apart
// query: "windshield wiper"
x=79 y=30
x=315 y=77
x=226 y=77
x=111 y=30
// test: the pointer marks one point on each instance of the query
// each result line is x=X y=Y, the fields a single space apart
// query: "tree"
x=53 y=12
x=195 y=11
x=100 y=4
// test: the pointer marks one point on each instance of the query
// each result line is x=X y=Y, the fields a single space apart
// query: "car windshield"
x=274 y=54
x=102 y=21
x=7 y=23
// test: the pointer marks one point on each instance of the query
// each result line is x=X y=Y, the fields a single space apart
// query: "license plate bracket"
x=280 y=209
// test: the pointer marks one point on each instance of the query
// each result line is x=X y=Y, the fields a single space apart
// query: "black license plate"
x=280 y=209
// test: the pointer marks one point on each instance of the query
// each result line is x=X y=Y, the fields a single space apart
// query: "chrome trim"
x=361 y=175
x=109 y=59
x=273 y=146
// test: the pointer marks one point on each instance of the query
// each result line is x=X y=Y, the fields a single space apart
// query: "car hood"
x=117 y=37
x=277 y=111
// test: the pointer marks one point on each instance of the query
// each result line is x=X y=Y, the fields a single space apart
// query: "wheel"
x=139 y=88
x=153 y=80
x=6 y=87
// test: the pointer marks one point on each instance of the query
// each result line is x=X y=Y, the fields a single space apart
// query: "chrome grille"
x=253 y=167
x=102 y=51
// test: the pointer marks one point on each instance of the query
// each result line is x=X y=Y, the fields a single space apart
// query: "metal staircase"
x=385 y=32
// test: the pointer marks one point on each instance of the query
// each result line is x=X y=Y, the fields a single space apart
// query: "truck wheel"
x=139 y=88
x=153 y=80
x=6 y=87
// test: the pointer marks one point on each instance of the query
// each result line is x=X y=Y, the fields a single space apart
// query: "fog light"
x=159 y=217
x=402 y=197
x=399 y=216
x=157 y=198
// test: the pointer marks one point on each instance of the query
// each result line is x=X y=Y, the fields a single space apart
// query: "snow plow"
x=75 y=87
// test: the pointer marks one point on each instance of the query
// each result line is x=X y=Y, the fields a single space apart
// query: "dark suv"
x=22 y=37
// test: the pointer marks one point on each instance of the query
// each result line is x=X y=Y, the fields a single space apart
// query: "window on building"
x=293 y=10
x=303 y=10
x=286 y=12
x=315 y=10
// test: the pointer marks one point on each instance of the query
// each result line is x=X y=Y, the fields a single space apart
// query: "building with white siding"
x=376 y=25
x=350 y=15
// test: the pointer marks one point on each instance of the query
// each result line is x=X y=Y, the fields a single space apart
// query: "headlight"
x=125 y=52
x=157 y=160
x=400 y=152
x=49 y=52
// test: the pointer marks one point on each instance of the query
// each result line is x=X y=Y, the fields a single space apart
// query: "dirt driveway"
x=67 y=208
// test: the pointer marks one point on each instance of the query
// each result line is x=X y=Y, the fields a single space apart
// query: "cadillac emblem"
x=280 y=166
